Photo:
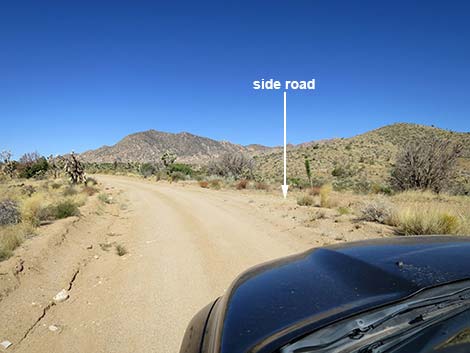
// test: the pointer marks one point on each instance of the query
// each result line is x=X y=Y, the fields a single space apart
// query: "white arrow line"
x=285 y=187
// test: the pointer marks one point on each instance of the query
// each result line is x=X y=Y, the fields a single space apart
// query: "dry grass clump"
x=203 y=184
x=306 y=200
x=314 y=191
x=242 y=184
x=325 y=196
x=429 y=221
x=215 y=184
x=420 y=213
x=343 y=210
x=28 y=206
x=12 y=236
x=261 y=186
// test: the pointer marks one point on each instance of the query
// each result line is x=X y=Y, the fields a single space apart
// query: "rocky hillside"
x=368 y=156
x=148 y=146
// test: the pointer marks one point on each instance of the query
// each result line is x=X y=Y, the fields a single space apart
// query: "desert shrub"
x=32 y=165
x=177 y=176
x=306 y=200
x=28 y=190
x=56 y=185
x=298 y=183
x=203 y=184
x=9 y=242
x=379 y=211
x=11 y=237
x=36 y=209
x=314 y=191
x=66 y=208
x=261 y=186
x=70 y=190
x=343 y=184
x=121 y=250
x=425 y=222
x=91 y=182
x=241 y=184
x=105 y=198
x=9 y=212
x=426 y=163
x=180 y=168
x=234 y=165
x=89 y=190
x=147 y=170
x=344 y=210
x=325 y=193
x=342 y=171
x=362 y=186
x=381 y=189
x=215 y=184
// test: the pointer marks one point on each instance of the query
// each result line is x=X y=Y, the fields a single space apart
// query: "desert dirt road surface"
x=185 y=246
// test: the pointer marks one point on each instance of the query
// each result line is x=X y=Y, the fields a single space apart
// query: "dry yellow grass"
x=38 y=201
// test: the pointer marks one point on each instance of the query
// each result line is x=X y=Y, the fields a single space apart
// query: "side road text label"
x=272 y=84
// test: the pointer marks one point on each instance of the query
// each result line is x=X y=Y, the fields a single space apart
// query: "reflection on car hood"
x=274 y=303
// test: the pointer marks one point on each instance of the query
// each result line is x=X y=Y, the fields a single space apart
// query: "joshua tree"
x=74 y=169
x=8 y=166
x=56 y=165
x=168 y=158
x=308 y=171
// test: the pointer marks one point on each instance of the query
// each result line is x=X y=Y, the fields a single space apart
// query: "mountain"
x=368 y=156
x=148 y=146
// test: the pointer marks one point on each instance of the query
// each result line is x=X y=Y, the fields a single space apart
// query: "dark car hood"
x=274 y=303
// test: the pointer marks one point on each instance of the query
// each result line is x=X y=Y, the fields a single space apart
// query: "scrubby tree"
x=236 y=165
x=427 y=163
x=31 y=165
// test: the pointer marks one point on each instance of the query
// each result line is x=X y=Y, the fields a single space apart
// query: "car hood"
x=277 y=302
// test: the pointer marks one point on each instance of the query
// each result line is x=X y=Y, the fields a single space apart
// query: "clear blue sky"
x=80 y=74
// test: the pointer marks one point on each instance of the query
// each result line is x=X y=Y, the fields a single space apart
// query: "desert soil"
x=185 y=246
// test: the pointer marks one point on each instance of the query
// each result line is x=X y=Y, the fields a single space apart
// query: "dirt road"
x=185 y=246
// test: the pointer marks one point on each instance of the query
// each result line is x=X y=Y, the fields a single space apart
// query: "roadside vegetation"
x=424 y=190
x=36 y=191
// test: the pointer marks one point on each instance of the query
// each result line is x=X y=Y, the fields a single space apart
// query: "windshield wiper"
x=378 y=330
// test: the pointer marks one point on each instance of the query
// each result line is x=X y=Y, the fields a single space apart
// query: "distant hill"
x=148 y=146
x=366 y=156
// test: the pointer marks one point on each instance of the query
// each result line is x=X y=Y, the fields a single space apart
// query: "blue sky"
x=80 y=74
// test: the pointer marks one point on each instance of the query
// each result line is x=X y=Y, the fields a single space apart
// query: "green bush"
x=66 y=209
x=180 y=168
x=33 y=169
x=147 y=170
x=177 y=176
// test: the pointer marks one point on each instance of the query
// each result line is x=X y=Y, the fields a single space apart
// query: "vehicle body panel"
x=275 y=303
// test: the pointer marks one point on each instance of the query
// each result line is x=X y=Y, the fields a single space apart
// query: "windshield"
x=389 y=329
